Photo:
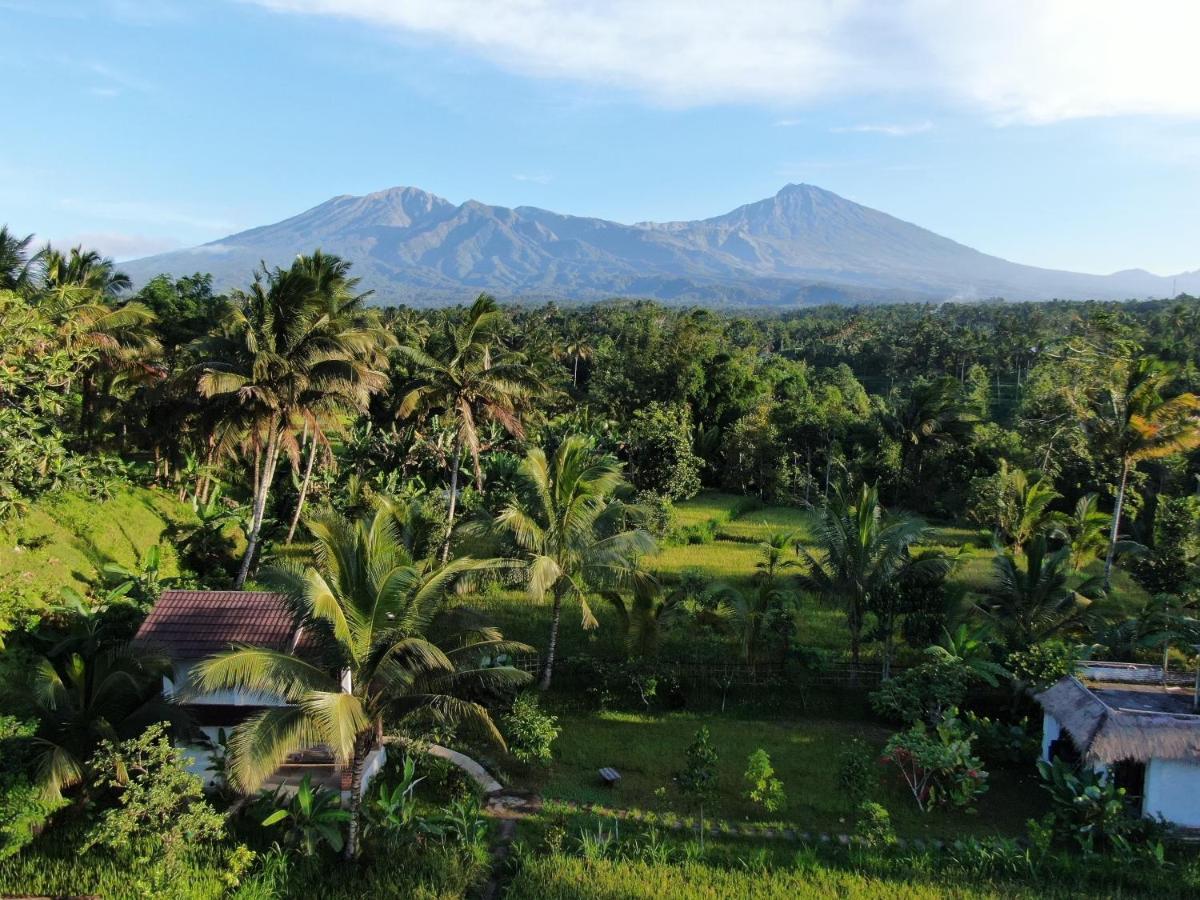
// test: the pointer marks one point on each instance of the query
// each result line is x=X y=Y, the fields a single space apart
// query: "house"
x=191 y=626
x=1139 y=727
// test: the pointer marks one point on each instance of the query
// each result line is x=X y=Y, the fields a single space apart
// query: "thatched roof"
x=1117 y=722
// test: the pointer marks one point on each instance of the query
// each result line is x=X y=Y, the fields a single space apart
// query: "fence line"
x=726 y=675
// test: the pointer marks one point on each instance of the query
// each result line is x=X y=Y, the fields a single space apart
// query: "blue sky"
x=1061 y=133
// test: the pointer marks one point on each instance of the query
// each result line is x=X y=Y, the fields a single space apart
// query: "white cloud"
x=891 y=130
x=534 y=179
x=1013 y=60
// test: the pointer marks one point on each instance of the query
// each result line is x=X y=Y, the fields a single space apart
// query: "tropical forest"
x=305 y=594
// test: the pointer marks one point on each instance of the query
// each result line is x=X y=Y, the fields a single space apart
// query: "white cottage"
x=191 y=626
x=1139 y=727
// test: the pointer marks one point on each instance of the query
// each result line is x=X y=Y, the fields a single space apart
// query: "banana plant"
x=315 y=817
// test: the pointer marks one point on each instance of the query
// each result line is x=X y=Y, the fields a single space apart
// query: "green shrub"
x=530 y=730
x=873 y=827
x=23 y=807
x=938 y=766
x=922 y=693
x=1042 y=664
x=763 y=788
x=856 y=772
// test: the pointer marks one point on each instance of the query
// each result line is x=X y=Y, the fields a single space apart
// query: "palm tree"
x=458 y=375
x=573 y=533
x=769 y=594
x=334 y=286
x=81 y=698
x=862 y=551
x=1036 y=601
x=578 y=347
x=1025 y=503
x=371 y=609
x=15 y=274
x=78 y=292
x=1138 y=424
x=1085 y=532
x=933 y=413
x=278 y=360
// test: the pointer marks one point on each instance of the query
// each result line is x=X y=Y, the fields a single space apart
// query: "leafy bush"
x=530 y=730
x=161 y=816
x=873 y=827
x=314 y=817
x=938 y=766
x=764 y=788
x=922 y=693
x=1088 y=807
x=24 y=809
x=1042 y=664
x=855 y=772
x=1005 y=743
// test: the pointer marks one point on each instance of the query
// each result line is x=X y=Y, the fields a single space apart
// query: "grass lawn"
x=561 y=877
x=648 y=749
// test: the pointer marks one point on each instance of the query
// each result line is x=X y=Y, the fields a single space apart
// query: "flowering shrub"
x=938 y=766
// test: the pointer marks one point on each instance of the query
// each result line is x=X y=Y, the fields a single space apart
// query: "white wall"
x=1173 y=791
x=199 y=761
x=1050 y=732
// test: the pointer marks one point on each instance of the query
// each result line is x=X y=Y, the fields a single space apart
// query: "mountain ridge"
x=802 y=245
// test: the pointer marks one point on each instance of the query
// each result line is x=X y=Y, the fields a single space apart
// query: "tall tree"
x=15 y=272
x=372 y=610
x=279 y=360
x=457 y=373
x=1136 y=423
x=861 y=550
x=78 y=291
x=573 y=532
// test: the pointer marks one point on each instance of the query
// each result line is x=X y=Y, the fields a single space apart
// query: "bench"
x=610 y=777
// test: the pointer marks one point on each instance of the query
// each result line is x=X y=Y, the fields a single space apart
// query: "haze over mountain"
x=804 y=245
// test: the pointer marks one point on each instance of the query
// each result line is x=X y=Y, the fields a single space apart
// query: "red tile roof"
x=197 y=624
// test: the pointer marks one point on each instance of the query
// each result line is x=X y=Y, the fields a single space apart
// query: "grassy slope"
x=647 y=749
x=63 y=539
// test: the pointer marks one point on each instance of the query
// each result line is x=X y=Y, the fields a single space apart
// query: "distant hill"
x=804 y=245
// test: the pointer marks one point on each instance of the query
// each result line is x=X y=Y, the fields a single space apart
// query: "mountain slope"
x=804 y=244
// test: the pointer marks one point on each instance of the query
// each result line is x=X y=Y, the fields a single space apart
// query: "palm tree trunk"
x=1116 y=524
x=263 y=488
x=575 y=373
x=454 y=465
x=548 y=669
x=356 y=777
x=308 y=470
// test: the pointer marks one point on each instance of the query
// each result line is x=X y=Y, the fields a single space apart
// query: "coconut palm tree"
x=344 y=307
x=1034 y=601
x=1137 y=423
x=279 y=360
x=578 y=347
x=934 y=413
x=15 y=274
x=371 y=609
x=573 y=532
x=81 y=698
x=861 y=552
x=457 y=373
x=78 y=293
x=1086 y=532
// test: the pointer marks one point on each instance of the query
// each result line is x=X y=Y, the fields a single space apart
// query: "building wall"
x=1173 y=791
x=1050 y=732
